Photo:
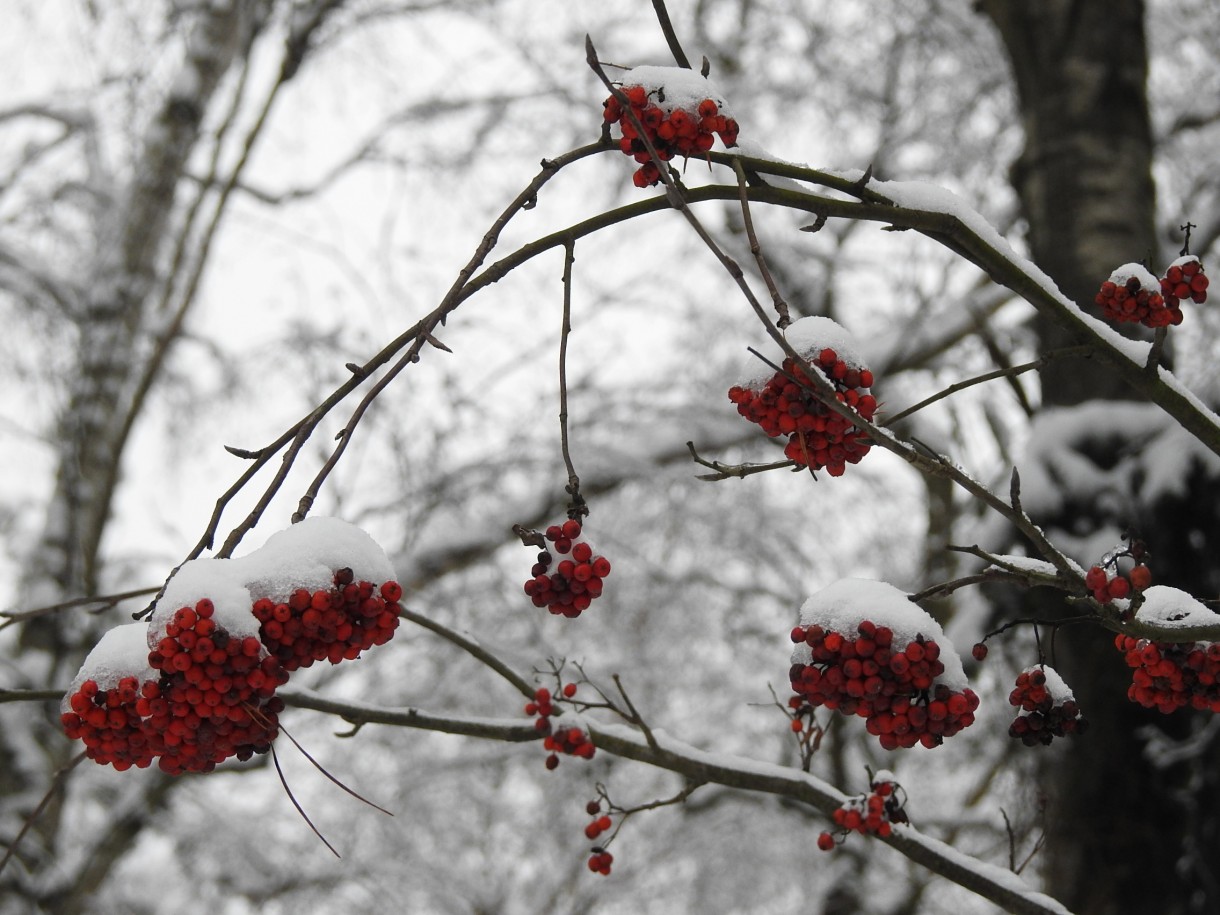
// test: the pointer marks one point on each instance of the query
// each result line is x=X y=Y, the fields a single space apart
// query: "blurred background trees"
x=207 y=209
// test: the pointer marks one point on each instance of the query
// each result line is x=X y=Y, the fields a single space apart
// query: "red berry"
x=826 y=841
x=979 y=651
x=1140 y=577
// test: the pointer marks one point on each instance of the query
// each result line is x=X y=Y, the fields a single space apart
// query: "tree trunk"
x=1126 y=834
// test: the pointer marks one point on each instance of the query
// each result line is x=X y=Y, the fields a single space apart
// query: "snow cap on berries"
x=307 y=554
x=121 y=652
x=1172 y=607
x=840 y=607
x=214 y=579
x=1147 y=281
x=809 y=336
x=671 y=88
x=1056 y=689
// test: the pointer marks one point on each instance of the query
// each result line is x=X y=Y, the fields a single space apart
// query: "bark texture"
x=1130 y=831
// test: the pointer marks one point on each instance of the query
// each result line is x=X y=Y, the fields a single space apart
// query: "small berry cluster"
x=893 y=686
x=599 y=859
x=576 y=582
x=1047 y=708
x=329 y=624
x=672 y=131
x=818 y=437
x=1136 y=299
x=869 y=814
x=109 y=723
x=572 y=741
x=1107 y=586
x=1168 y=676
x=1184 y=280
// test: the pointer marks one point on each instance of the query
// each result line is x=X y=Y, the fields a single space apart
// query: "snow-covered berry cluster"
x=869 y=814
x=195 y=685
x=1184 y=279
x=1047 y=707
x=1168 y=676
x=786 y=402
x=861 y=648
x=219 y=689
x=1132 y=294
x=329 y=624
x=576 y=581
x=678 y=112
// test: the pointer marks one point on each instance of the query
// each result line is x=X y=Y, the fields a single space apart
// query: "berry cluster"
x=1115 y=585
x=1184 y=280
x=673 y=130
x=893 y=686
x=196 y=684
x=1047 y=708
x=329 y=624
x=1132 y=294
x=599 y=859
x=869 y=814
x=109 y=723
x=572 y=741
x=818 y=437
x=576 y=582
x=1168 y=676
x=217 y=692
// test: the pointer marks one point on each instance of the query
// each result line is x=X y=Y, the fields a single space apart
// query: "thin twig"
x=472 y=648
x=781 y=306
x=725 y=471
x=671 y=37
x=317 y=765
x=106 y=601
x=577 y=507
x=56 y=783
x=295 y=803
x=636 y=718
x=1039 y=363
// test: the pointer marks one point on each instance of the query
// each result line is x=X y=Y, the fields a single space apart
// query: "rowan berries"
x=674 y=113
x=787 y=404
x=575 y=583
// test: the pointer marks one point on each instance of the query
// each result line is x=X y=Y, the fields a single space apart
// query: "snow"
x=1183 y=260
x=1029 y=564
x=1056 y=688
x=808 y=336
x=305 y=555
x=215 y=580
x=1171 y=608
x=841 y=607
x=671 y=88
x=121 y=652
x=1155 y=455
x=1147 y=281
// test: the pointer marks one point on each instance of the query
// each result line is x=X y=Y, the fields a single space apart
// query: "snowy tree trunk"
x=1085 y=183
x=134 y=227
